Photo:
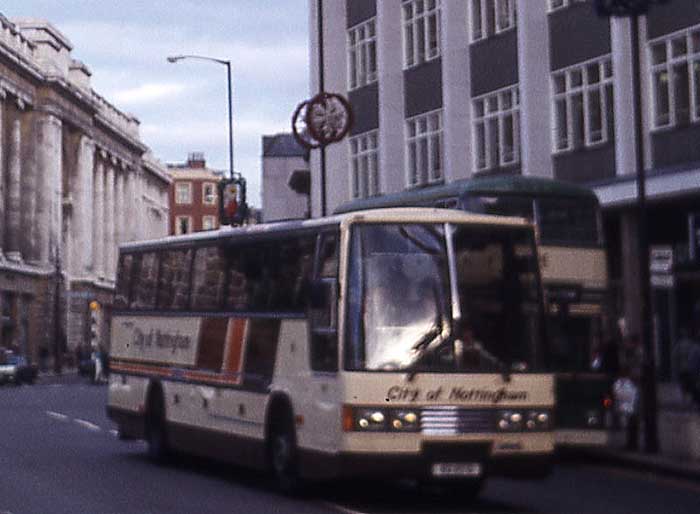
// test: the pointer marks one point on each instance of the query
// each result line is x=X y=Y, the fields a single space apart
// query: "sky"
x=182 y=107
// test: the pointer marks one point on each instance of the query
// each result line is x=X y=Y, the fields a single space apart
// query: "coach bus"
x=574 y=276
x=395 y=343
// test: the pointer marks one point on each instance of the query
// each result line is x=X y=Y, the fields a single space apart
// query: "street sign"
x=661 y=259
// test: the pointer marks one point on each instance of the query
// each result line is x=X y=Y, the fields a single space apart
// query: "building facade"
x=75 y=181
x=285 y=179
x=445 y=90
x=193 y=196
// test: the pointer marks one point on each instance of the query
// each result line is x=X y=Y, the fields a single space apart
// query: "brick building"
x=193 y=196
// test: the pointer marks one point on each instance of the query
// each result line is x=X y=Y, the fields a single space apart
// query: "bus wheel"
x=156 y=434
x=284 y=457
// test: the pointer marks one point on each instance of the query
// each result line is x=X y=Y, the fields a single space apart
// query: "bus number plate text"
x=456 y=469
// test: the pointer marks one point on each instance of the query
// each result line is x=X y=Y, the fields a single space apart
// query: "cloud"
x=195 y=132
x=148 y=92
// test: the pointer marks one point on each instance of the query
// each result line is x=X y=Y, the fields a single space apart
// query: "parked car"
x=16 y=369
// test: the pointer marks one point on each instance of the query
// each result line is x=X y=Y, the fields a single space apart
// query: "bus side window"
x=261 y=350
x=121 y=297
x=212 y=339
x=322 y=314
x=236 y=297
x=208 y=279
x=174 y=279
x=146 y=275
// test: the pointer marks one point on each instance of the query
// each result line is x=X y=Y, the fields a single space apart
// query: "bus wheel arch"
x=154 y=423
x=281 y=445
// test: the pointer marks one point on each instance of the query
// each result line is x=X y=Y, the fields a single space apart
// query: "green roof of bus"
x=511 y=185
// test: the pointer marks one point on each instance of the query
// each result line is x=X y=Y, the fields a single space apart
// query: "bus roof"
x=408 y=214
x=506 y=185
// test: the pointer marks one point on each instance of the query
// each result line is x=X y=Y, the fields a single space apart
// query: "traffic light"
x=94 y=331
x=233 y=207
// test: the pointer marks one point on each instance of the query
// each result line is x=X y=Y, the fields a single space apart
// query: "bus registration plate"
x=456 y=469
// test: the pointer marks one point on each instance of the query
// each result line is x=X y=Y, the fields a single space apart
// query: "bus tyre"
x=284 y=457
x=156 y=434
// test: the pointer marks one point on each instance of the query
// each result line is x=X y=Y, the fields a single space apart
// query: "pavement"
x=678 y=456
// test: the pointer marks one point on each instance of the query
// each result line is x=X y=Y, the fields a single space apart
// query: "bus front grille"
x=451 y=420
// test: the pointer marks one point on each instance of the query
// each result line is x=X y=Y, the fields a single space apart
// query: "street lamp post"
x=176 y=58
x=633 y=9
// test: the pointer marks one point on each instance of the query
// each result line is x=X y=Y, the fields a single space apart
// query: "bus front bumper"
x=422 y=465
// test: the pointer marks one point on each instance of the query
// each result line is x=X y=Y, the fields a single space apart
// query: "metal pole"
x=649 y=400
x=321 y=87
x=230 y=121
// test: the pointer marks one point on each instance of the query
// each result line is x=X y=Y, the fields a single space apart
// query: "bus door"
x=323 y=349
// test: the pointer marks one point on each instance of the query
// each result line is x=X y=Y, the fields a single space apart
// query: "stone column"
x=535 y=100
x=456 y=80
x=2 y=184
x=119 y=217
x=391 y=99
x=98 y=220
x=108 y=222
x=13 y=213
x=49 y=161
x=83 y=217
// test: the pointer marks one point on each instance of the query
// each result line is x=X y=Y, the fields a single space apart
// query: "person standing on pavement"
x=627 y=388
x=686 y=354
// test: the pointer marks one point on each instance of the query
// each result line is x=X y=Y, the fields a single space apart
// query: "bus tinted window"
x=324 y=336
x=121 y=297
x=174 y=282
x=269 y=277
x=208 y=280
x=567 y=220
x=145 y=274
x=261 y=350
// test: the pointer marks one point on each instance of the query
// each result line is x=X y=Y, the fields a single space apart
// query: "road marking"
x=56 y=415
x=340 y=508
x=88 y=425
x=114 y=432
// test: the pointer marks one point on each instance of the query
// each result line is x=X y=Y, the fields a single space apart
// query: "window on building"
x=208 y=223
x=183 y=225
x=362 y=54
x=421 y=30
x=183 y=193
x=496 y=119
x=489 y=17
x=209 y=193
x=583 y=105
x=364 y=165
x=560 y=4
x=424 y=149
x=675 y=73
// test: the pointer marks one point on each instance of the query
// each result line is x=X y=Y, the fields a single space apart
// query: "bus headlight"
x=370 y=420
x=510 y=421
x=404 y=421
x=517 y=421
x=538 y=420
x=380 y=420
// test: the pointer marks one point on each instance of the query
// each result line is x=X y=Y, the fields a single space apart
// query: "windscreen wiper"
x=483 y=352
x=430 y=341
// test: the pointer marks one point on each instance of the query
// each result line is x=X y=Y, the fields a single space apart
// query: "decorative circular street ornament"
x=300 y=129
x=328 y=117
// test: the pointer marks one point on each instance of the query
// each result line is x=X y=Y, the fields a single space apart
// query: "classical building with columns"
x=75 y=181
x=444 y=90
